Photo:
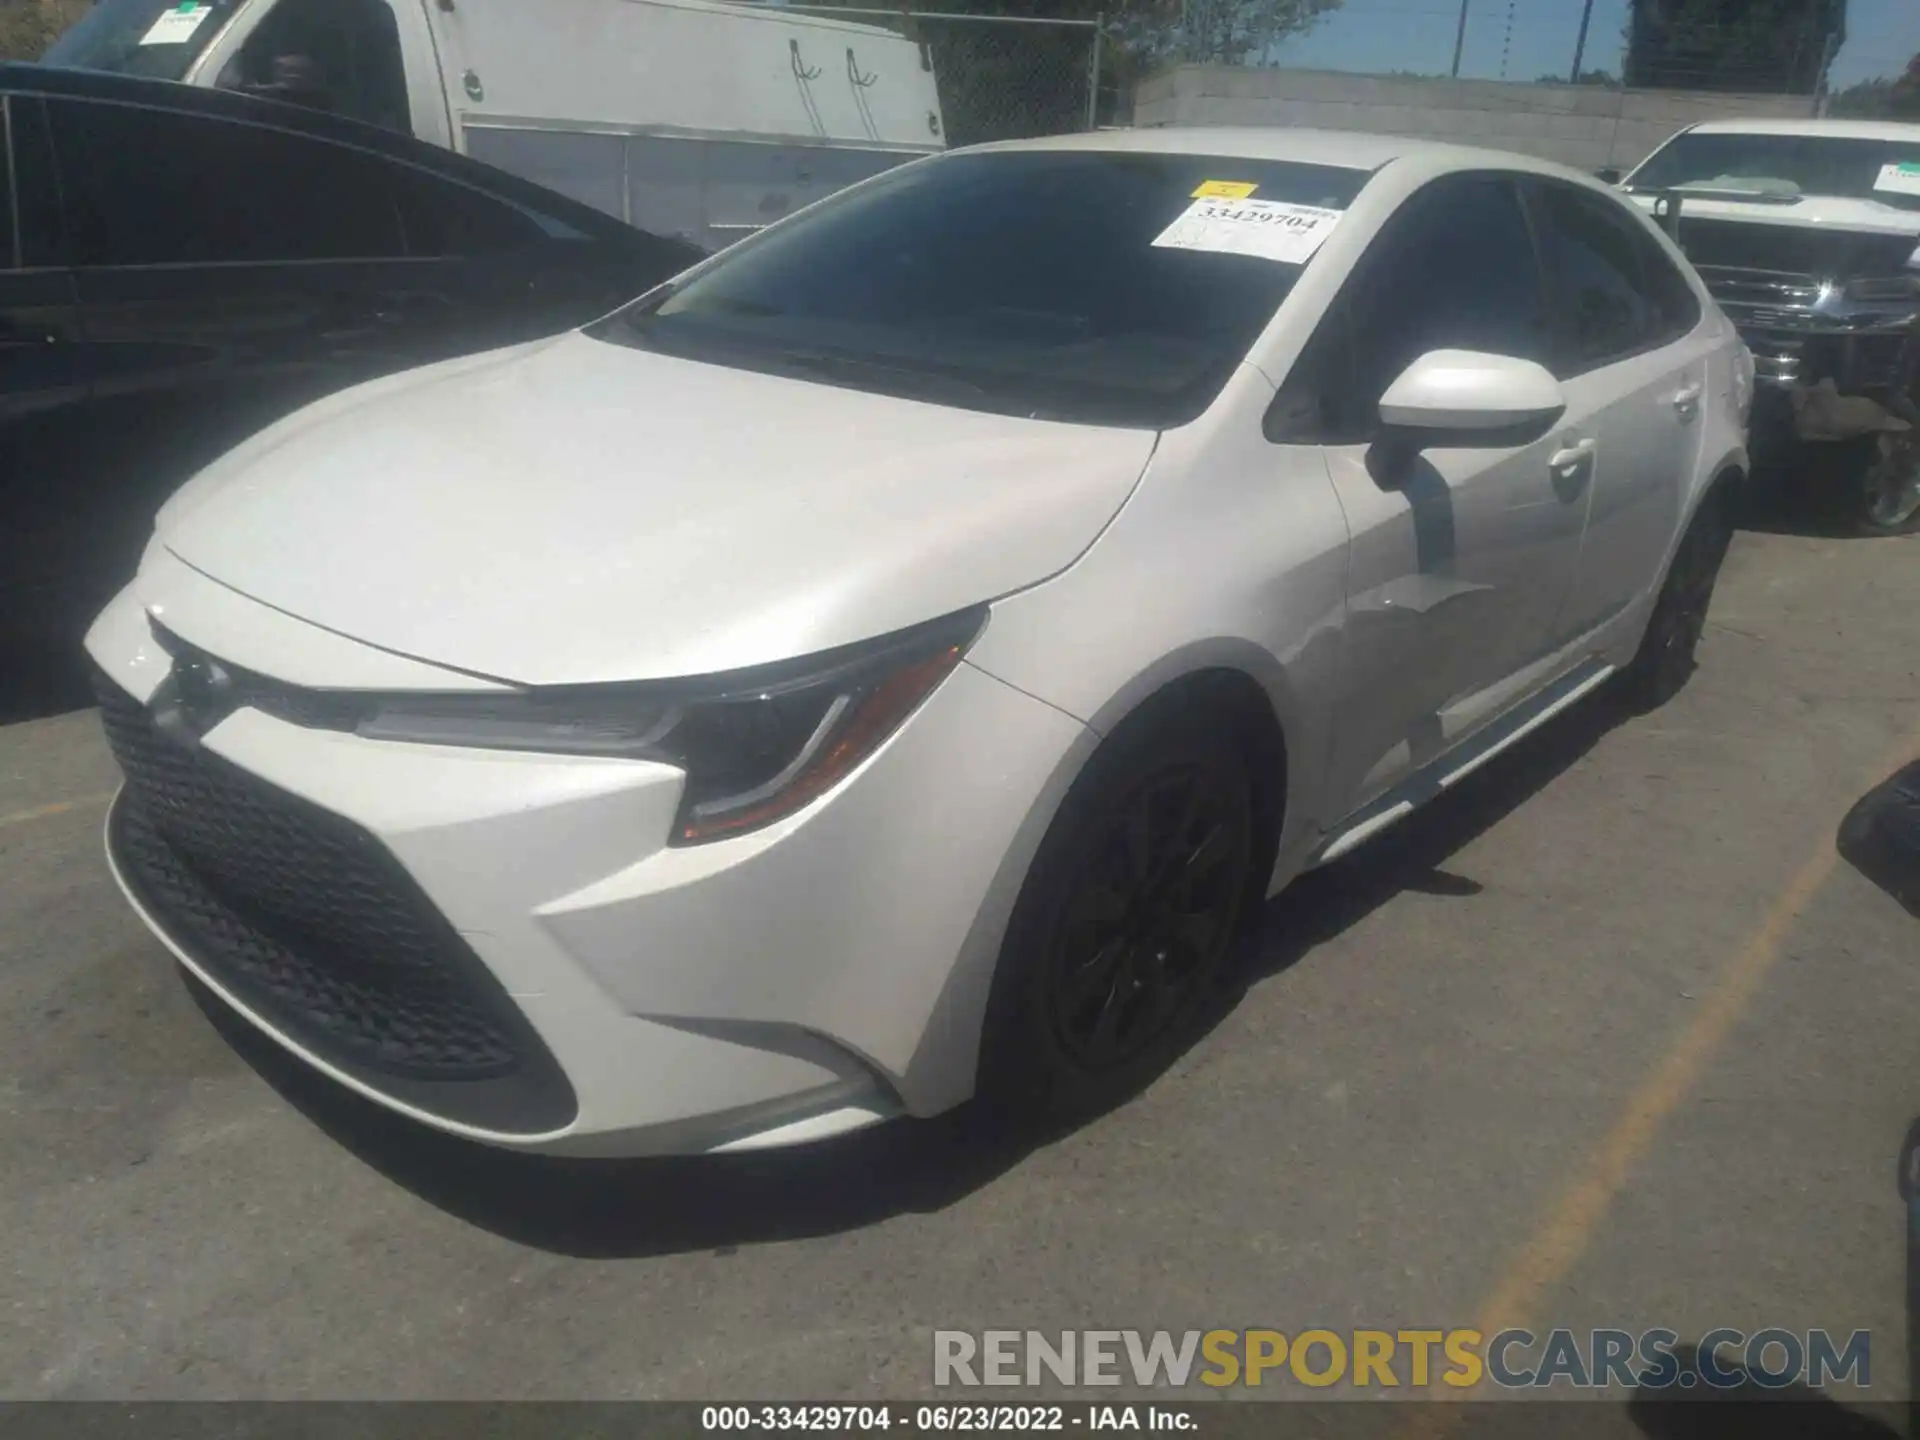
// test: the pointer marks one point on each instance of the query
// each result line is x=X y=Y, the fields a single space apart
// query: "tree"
x=1213 y=32
x=1761 y=46
x=28 y=27
x=1880 y=99
x=1604 y=78
x=1003 y=82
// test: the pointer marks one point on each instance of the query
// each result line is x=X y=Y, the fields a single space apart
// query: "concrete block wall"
x=1586 y=126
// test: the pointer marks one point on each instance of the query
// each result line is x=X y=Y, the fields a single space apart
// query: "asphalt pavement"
x=1608 y=1037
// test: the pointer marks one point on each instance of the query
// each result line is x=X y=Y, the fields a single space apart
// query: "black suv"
x=179 y=267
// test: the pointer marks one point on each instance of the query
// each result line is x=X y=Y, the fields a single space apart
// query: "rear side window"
x=1673 y=297
x=1615 y=291
x=443 y=219
x=1454 y=269
x=154 y=187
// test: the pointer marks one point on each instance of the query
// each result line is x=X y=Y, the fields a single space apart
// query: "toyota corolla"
x=891 y=662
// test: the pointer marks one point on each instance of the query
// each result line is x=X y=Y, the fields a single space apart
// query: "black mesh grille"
x=310 y=921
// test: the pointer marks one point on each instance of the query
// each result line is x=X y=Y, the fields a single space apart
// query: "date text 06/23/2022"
x=943 y=1418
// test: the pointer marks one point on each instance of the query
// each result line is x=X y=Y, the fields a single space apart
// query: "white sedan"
x=893 y=661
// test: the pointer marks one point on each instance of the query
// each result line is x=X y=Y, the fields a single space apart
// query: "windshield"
x=159 y=39
x=1024 y=282
x=1785 y=167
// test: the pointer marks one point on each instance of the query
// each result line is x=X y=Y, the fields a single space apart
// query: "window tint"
x=36 y=187
x=1673 y=298
x=1607 y=307
x=9 y=253
x=1023 y=282
x=152 y=187
x=1455 y=269
x=444 y=218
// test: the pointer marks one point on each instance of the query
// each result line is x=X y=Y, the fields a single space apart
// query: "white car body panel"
x=573 y=512
x=887 y=512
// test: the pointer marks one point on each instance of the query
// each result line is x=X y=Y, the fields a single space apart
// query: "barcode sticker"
x=1268 y=229
x=176 y=26
x=1899 y=179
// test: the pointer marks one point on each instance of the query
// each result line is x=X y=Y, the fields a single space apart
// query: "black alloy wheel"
x=1143 y=926
x=1120 y=944
x=1666 y=655
x=1890 y=490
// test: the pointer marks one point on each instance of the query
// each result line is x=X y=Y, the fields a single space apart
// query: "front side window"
x=159 y=39
x=1454 y=269
x=1594 y=258
x=1020 y=282
x=1783 y=168
x=155 y=187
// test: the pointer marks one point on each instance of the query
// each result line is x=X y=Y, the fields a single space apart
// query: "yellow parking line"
x=21 y=817
x=1567 y=1231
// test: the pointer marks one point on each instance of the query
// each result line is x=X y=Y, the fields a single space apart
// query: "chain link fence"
x=1002 y=77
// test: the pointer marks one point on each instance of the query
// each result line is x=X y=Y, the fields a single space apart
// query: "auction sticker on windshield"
x=1224 y=190
x=176 y=26
x=1901 y=179
x=1269 y=229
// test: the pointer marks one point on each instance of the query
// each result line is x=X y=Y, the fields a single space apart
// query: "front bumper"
x=775 y=988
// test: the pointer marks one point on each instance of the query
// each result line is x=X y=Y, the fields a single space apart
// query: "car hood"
x=574 y=511
x=1812 y=212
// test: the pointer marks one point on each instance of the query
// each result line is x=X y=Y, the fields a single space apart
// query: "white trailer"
x=691 y=117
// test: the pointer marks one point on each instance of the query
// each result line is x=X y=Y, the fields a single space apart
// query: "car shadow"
x=634 y=1208
x=1814 y=498
x=1750 y=1409
x=1412 y=856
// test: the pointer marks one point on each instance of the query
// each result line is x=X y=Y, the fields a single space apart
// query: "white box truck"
x=695 y=118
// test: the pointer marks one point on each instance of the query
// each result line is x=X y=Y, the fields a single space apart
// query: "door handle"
x=1687 y=402
x=1570 y=459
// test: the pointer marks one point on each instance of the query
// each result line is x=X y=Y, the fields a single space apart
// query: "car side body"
x=1360 y=612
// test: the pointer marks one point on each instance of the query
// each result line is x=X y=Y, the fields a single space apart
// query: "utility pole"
x=1460 y=37
x=1580 y=45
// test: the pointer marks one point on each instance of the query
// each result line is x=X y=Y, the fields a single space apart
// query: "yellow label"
x=1224 y=190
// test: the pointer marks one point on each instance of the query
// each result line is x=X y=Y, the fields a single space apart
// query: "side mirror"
x=1608 y=175
x=1464 y=397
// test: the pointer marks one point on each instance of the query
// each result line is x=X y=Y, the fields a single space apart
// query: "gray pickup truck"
x=1808 y=234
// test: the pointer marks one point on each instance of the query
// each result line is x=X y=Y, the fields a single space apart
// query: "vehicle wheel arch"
x=1250 y=687
x=1244 y=686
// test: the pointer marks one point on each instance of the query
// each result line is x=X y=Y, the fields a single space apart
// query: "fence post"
x=1093 y=76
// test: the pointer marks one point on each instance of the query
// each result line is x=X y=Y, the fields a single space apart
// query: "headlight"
x=756 y=745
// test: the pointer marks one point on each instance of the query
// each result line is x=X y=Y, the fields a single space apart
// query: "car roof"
x=1349 y=149
x=54 y=81
x=1833 y=129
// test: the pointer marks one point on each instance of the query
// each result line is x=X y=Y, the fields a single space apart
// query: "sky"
x=1417 y=35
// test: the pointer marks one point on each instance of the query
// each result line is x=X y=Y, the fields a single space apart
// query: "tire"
x=1889 y=493
x=1118 y=951
x=1665 y=659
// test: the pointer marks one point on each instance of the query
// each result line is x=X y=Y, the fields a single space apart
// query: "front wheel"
x=1122 y=933
x=1890 y=488
x=1665 y=659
